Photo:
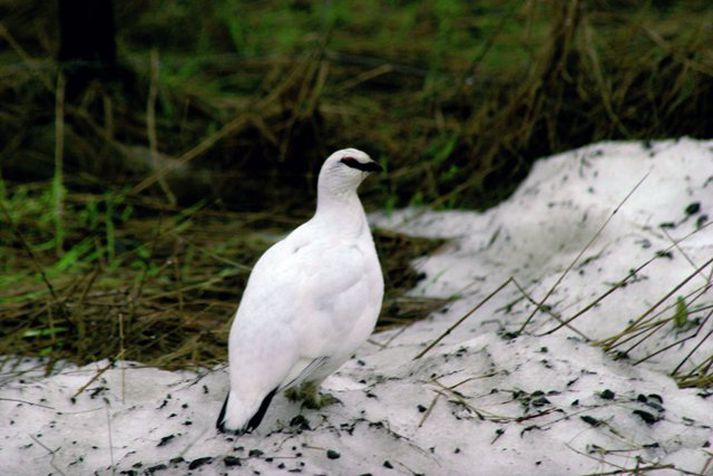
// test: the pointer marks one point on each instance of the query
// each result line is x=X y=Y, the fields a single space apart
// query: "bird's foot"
x=310 y=396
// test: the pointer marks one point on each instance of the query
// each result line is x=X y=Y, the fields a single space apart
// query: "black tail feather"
x=220 y=424
x=254 y=421
x=260 y=414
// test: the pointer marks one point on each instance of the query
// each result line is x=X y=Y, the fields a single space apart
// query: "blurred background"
x=151 y=150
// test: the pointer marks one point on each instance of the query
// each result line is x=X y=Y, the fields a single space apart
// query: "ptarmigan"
x=310 y=301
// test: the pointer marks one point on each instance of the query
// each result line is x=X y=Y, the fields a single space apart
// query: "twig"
x=459 y=321
x=91 y=380
x=549 y=311
x=51 y=452
x=111 y=443
x=684 y=254
x=122 y=351
x=429 y=409
x=27 y=402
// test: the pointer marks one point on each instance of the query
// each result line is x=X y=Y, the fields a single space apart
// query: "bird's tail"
x=237 y=417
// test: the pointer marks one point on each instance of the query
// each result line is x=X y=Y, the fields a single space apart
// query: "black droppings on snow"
x=651 y=445
x=255 y=453
x=667 y=224
x=540 y=402
x=97 y=391
x=185 y=405
x=529 y=428
x=137 y=465
x=197 y=463
x=693 y=208
x=655 y=405
x=205 y=390
x=664 y=254
x=388 y=465
x=154 y=469
x=165 y=440
x=421 y=408
x=300 y=422
x=655 y=396
x=590 y=420
x=331 y=454
x=641 y=398
x=701 y=220
x=648 y=418
x=172 y=415
x=165 y=402
x=607 y=394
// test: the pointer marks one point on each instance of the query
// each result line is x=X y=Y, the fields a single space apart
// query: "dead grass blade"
x=621 y=283
x=609 y=344
x=460 y=321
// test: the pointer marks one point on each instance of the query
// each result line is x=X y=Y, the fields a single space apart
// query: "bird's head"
x=344 y=170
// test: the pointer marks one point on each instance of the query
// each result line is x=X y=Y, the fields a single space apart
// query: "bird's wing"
x=303 y=372
x=302 y=299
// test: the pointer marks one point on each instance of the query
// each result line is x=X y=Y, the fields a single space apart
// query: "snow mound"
x=481 y=401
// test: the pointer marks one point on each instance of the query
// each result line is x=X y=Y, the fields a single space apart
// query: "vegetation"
x=133 y=208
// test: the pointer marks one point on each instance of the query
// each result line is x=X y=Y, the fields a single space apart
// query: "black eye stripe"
x=365 y=167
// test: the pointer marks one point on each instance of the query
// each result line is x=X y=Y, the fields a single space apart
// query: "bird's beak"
x=373 y=167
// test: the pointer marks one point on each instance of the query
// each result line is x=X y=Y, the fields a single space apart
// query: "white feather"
x=311 y=300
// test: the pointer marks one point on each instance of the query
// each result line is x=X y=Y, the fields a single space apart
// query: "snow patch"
x=481 y=401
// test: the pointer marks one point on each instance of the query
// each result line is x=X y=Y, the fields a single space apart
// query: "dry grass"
x=157 y=289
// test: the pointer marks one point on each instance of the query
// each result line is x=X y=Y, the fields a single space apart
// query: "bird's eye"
x=369 y=166
x=350 y=162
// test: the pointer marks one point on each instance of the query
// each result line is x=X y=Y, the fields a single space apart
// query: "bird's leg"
x=311 y=398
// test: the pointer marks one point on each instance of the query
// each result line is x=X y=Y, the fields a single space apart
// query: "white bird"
x=311 y=300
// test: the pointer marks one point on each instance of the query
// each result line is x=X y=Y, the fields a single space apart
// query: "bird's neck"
x=342 y=212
